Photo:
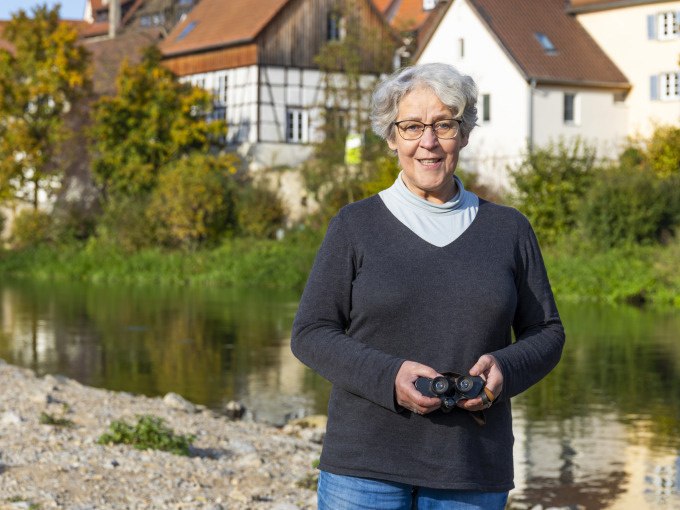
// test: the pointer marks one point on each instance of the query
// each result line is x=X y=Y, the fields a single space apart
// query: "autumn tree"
x=152 y=120
x=351 y=64
x=41 y=77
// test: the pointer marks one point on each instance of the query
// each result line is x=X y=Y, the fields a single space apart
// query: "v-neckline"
x=473 y=225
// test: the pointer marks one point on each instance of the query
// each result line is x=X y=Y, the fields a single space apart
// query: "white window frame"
x=575 y=117
x=486 y=108
x=669 y=86
x=667 y=26
x=297 y=125
x=336 y=26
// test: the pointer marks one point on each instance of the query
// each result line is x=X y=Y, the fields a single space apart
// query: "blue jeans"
x=339 y=492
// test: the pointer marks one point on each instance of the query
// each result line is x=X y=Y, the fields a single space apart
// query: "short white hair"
x=456 y=90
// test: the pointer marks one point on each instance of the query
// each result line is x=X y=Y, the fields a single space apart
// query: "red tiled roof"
x=577 y=57
x=220 y=23
x=403 y=14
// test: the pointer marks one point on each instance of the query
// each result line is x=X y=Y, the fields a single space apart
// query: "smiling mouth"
x=430 y=161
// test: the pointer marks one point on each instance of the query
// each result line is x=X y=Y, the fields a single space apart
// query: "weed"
x=150 y=432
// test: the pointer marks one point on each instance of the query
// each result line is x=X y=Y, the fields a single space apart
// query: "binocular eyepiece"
x=450 y=388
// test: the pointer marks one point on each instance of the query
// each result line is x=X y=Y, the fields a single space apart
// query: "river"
x=602 y=430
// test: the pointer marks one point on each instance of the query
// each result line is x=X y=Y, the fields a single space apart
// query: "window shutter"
x=654 y=87
x=651 y=26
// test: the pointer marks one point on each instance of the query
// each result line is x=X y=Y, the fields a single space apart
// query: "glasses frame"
x=425 y=126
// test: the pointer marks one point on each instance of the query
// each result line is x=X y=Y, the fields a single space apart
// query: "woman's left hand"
x=488 y=368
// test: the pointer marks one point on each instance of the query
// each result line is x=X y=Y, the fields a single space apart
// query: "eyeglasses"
x=444 y=129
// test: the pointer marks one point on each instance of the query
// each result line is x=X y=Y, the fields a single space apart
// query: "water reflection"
x=602 y=431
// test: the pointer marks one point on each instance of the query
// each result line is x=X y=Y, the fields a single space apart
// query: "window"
x=220 y=91
x=669 y=86
x=296 y=125
x=486 y=107
x=663 y=26
x=187 y=30
x=461 y=47
x=335 y=27
x=545 y=43
x=569 y=113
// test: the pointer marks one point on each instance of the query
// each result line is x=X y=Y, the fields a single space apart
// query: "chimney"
x=114 y=17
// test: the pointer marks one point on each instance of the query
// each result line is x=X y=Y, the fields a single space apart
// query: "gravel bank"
x=234 y=464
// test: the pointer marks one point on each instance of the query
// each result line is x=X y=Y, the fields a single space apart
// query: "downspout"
x=530 y=140
x=114 y=17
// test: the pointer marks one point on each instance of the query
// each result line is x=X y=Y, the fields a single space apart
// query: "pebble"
x=234 y=464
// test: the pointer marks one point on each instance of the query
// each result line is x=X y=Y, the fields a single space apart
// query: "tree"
x=153 y=120
x=40 y=80
x=351 y=67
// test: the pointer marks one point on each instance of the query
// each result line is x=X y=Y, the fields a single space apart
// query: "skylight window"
x=545 y=43
x=187 y=30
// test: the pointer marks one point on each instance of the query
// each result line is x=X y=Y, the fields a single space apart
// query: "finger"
x=483 y=365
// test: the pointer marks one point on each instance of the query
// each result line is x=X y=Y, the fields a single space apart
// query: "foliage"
x=150 y=432
x=260 y=212
x=626 y=206
x=550 y=184
x=124 y=225
x=194 y=201
x=31 y=227
x=662 y=151
x=40 y=81
x=350 y=68
x=151 y=121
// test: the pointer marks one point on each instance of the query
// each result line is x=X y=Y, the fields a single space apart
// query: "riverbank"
x=637 y=275
x=232 y=464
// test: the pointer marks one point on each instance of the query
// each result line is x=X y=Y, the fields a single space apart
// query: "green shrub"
x=662 y=151
x=31 y=227
x=550 y=185
x=193 y=202
x=124 y=223
x=260 y=211
x=149 y=433
x=623 y=207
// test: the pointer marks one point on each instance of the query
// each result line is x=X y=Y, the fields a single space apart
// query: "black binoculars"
x=450 y=388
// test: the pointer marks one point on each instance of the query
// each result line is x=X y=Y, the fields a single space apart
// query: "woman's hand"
x=487 y=367
x=406 y=393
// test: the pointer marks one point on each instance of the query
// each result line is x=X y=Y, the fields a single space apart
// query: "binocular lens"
x=440 y=385
x=464 y=384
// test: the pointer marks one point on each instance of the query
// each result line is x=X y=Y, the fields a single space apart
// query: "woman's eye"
x=444 y=126
x=412 y=127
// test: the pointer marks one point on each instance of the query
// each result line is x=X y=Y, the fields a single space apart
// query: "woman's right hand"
x=406 y=393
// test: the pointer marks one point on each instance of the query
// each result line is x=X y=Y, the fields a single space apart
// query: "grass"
x=635 y=275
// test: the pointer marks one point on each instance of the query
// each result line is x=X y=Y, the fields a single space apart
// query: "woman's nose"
x=429 y=139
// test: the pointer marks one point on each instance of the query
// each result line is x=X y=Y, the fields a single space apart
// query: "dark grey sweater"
x=378 y=295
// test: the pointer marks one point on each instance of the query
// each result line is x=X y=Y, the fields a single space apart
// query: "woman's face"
x=428 y=163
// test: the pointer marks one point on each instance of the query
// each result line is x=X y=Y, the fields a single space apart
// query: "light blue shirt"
x=438 y=224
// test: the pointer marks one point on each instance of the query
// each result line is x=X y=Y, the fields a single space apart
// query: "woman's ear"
x=464 y=140
x=392 y=144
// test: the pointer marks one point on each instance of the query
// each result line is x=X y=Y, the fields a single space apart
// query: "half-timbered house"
x=259 y=59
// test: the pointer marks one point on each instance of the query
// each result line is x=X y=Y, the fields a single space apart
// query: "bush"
x=124 y=224
x=31 y=227
x=624 y=207
x=550 y=184
x=260 y=212
x=663 y=151
x=149 y=433
x=194 y=201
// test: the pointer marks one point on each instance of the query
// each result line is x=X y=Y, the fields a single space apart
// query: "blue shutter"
x=654 y=87
x=651 y=26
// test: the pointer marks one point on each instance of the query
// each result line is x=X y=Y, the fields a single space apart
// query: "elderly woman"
x=423 y=279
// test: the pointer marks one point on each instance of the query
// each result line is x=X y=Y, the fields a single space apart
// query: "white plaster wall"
x=599 y=119
x=496 y=144
x=622 y=34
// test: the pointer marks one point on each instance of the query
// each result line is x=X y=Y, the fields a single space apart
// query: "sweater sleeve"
x=539 y=334
x=319 y=336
